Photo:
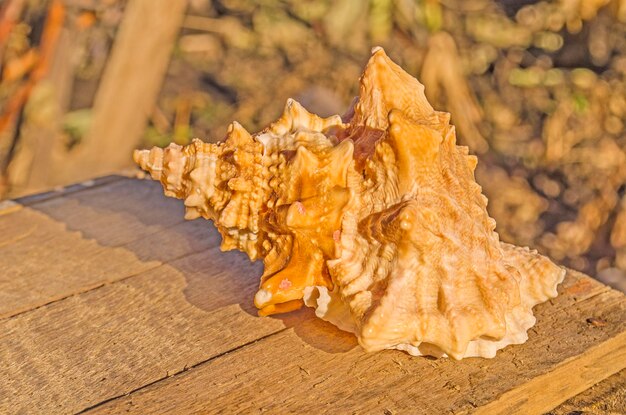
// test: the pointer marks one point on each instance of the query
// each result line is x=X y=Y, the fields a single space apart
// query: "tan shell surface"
x=377 y=221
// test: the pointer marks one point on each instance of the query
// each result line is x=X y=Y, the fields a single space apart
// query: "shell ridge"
x=374 y=219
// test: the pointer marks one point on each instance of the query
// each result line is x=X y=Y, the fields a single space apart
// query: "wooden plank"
x=85 y=349
x=568 y=379
x=606 y=397
x=59 y=191
x=112 y=300
x=10 y=206
x=315 y=368
x=62 y=246
x=129 y=87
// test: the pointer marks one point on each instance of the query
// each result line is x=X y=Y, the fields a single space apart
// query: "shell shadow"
x=218 y=279
x=119 y=214
x=134 y=215
x=316 y=332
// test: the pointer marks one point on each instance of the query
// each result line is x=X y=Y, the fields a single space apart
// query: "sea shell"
x=375 y=220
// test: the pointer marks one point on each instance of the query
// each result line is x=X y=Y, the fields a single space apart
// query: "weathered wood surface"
x=605 y=398
x=110 y=303
x=79 y=240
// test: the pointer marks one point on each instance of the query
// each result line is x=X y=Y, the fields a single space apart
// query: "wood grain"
x=605 y=398
x=573 y=376
x=104 y=343
x=315 y=368
x=113 y=304
x=61 y=246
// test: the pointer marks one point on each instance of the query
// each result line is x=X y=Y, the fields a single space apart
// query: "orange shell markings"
x=376 y=221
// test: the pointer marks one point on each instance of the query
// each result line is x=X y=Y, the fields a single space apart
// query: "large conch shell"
x=375 y=220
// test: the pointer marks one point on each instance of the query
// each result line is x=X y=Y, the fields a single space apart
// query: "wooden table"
x=111 y=303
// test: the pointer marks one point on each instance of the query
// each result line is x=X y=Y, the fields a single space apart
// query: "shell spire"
x=385 y=86
x=171 y=166
x=375 y=220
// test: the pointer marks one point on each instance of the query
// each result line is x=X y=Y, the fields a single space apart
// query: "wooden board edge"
x=568 y=379
x=608 y=396
x=33 y=199
x=9 y=206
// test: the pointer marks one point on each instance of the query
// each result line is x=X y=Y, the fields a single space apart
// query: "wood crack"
x=184 y=370
x=87 y=289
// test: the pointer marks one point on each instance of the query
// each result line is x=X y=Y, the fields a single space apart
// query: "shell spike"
x=295 y=117
x=238 y=135
x=169 y=165
x=377 y=222
x=340 y=161
x=150 y=160
x=385 y=86
x=472 y=162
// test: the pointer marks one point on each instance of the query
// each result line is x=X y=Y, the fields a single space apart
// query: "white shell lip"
x=262 y=297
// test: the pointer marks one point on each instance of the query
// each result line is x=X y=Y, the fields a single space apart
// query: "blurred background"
x=536 y=89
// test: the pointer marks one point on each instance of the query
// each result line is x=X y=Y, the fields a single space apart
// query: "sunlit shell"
x=375 y=220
